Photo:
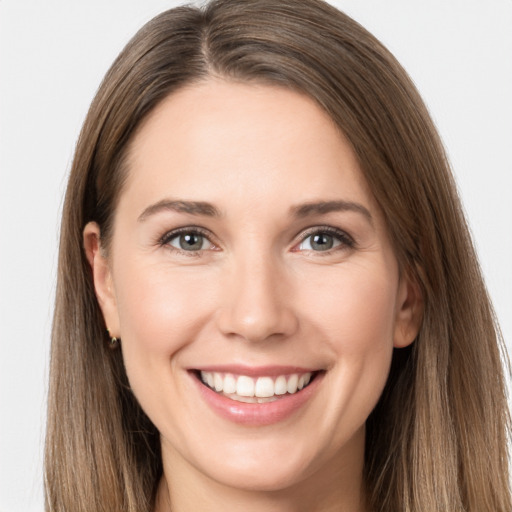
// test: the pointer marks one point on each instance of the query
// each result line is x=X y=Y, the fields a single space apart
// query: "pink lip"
x=255 y=371
x=257 y=414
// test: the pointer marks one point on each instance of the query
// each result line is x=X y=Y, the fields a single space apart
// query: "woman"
x=261 y=215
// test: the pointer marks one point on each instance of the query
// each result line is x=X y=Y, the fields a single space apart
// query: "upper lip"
x=255 y=371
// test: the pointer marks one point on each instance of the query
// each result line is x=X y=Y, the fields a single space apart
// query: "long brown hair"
x=437 y=440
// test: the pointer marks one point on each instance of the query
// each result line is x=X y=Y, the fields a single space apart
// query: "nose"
x=257 y=302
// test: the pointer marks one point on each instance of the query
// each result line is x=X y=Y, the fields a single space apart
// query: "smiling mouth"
x=264 y=389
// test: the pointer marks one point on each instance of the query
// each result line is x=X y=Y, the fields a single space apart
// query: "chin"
x=271 y=475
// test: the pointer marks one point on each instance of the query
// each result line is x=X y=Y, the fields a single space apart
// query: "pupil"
x=191 y=242
x=322 y=242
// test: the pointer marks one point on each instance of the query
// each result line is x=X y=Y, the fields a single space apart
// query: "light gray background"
x=53 y=55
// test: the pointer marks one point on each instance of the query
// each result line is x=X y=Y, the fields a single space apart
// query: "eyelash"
x=347 y=242
x=189 y=230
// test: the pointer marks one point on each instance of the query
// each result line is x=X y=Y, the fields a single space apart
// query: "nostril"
x=259 y=326
x=255 y=307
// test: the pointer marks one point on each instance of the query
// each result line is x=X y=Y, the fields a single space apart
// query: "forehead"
x=230 y=140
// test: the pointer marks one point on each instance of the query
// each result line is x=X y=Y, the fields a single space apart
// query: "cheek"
x=352 y=314
x=160 y=312
x=354 y=307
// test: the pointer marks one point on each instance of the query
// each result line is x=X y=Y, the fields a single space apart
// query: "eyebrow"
x=190 y=207
x=324 y=207
x=209 y=210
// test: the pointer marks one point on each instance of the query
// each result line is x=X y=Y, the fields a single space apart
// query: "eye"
x=324 y=240
x=319 y=242
x=188 y=240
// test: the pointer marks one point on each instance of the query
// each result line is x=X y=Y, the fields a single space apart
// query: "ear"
x=102 y=277
x=409 y=312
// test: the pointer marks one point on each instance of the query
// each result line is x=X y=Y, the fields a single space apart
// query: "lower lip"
x=266 y=413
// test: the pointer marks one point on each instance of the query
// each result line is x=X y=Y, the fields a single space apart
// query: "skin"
x=256 y=293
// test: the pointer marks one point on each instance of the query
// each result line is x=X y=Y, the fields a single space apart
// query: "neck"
x=335 y=487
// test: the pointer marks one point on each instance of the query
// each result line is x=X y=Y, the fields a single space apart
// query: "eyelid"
x=346 y=240
x=173 y=233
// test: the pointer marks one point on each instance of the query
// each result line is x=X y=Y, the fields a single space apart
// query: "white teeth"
x=264 y=387
x=229 y=384
x=244 y=399
x=218 y=382
x=252 y=399
x=292 y=384
x=255 y=390
x=304 y=380
x=280 y=385
x=245 y=386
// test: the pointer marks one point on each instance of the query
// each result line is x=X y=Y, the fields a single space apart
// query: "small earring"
x=114 y=342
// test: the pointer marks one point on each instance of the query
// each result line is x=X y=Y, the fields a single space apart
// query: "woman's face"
x=249 y=258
